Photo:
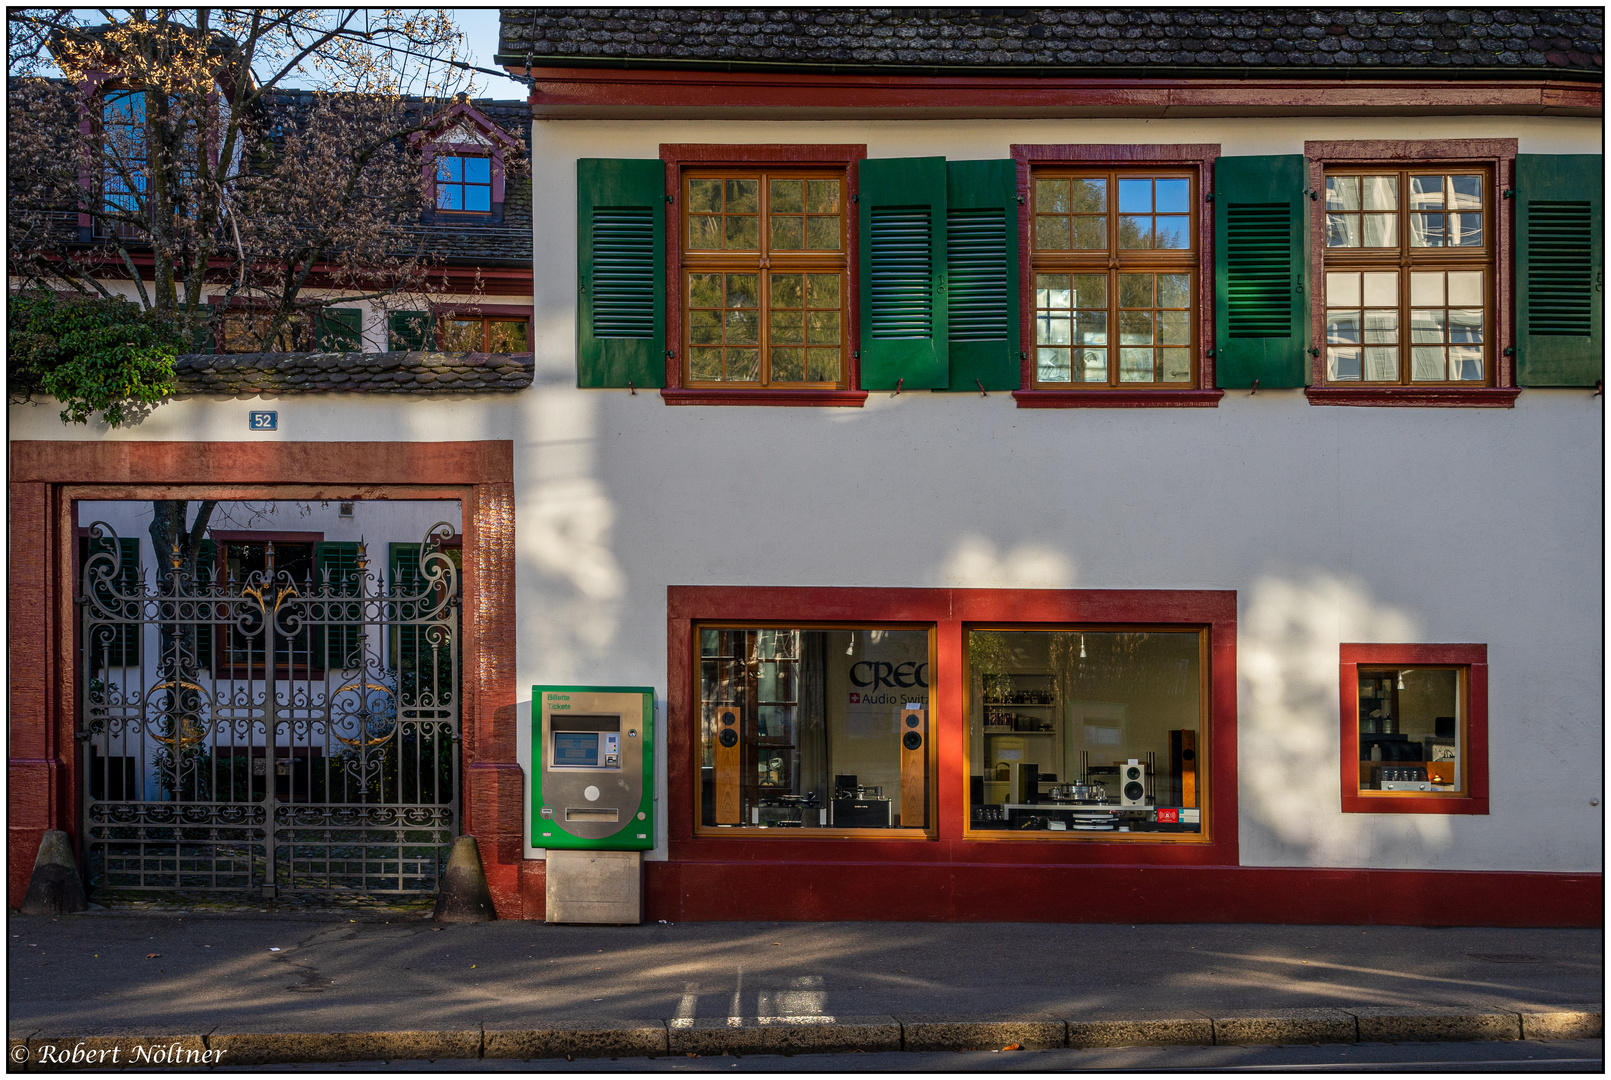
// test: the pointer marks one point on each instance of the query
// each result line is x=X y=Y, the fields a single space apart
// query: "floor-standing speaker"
x=914 y=767
x=1183 y=763
x=729 y=758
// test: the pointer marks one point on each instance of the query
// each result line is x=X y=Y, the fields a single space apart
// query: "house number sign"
x=264 y=421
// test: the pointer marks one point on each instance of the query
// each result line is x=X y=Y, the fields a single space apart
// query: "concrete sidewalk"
x=338 y=986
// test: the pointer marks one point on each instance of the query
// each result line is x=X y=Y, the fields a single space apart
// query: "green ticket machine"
x=593 y=800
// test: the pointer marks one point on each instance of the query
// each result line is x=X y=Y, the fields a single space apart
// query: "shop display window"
x=1095 y=733
x=821 y=730
x=1415 y=728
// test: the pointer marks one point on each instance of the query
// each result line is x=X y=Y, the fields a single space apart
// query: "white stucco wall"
x=1333 y=524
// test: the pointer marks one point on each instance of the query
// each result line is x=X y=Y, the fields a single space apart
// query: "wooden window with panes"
x=1409 y=276
x=766 y=279
x=1114 y=257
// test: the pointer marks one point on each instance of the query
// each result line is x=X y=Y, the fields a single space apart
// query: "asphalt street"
x=113 y=972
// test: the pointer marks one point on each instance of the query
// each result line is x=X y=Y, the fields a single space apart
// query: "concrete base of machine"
x=595 y=887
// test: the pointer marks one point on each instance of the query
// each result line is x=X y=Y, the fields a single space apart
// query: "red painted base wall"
x=929 y=892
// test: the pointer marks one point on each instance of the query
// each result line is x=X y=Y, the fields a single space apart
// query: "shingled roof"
x=436 y=373
x=1517 y=42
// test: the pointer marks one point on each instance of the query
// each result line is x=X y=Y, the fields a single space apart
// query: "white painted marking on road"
x=687 y=1006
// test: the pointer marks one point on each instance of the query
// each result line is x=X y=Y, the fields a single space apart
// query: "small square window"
x=1414 y=729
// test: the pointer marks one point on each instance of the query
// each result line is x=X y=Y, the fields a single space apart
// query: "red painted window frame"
x=678 y=156
x=1496 y=154
x=951 y=612
x=1474 y=658
x=1199 y=157
x=499 y=312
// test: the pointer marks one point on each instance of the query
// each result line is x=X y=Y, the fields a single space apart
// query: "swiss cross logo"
x=1169 y=817
x=855 y=699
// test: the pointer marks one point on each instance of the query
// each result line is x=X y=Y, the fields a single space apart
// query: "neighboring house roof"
x=483 y=243
x=1202 y=41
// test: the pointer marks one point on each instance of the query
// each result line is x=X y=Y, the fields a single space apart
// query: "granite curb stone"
x=922 y=1032
x=1562 y=1022
x=1285 y=1026
x=282 y=1048
x=784 y=1034
x=709 y=1036
x=1436 y=1024
x=1163 y=1030
x=580 y=1038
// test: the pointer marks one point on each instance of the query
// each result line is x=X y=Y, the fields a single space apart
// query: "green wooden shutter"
x=340 y=330
x=1560 y=215
x=202 y=338
x=412 y=643
x=206 y=568
x=1261 y=305
x=117 y=644
x=620 y=272
x=337 y=563
x=981 y=250
x=409 y=331
x=904 y=314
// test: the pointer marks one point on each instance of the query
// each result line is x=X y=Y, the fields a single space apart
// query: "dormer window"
x=463 y=154
x=464 y=183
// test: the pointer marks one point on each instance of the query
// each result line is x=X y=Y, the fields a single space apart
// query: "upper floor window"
x=464 y=183
x=765 y=277
x=1409 y=275
x=124 y=166
x=1115 y=264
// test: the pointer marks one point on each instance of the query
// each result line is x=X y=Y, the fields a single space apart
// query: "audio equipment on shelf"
x=1132 y=783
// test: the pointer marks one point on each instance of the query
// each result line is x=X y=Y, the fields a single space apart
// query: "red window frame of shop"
x=1198 y=157
x=1474 y=658
x=1499 y=155
x=950 y=612
x=678 y=156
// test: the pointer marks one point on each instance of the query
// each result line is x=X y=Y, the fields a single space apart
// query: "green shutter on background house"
x=620 y=272
x=340 y=330
x=413 y=642
x=206 y=569
x=981 y=251
x=1560 y=214
x=904 y=314
x=1261 y=301
x=116 y=644
x=336 y=562
x=409 y=331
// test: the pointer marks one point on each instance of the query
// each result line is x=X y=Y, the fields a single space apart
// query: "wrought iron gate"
x=267 y=733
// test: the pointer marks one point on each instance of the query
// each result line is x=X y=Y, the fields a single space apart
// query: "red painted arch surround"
x=48 y=476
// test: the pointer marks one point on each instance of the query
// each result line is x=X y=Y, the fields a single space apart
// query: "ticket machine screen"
x=592 y=749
